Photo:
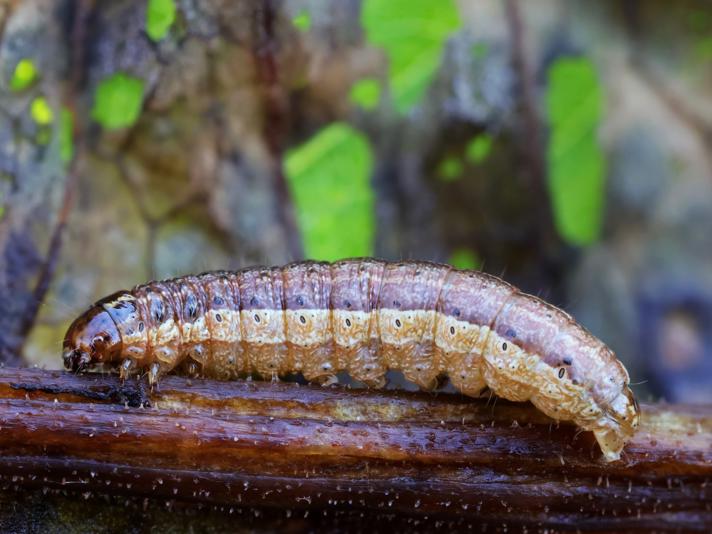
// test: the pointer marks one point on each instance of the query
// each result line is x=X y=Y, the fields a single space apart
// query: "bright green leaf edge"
x=118 y=101
x=366 y=93
x=576 y=164
x=160 y=16
x=25 y=75
x=41 y=111
x=465 y=258
x=302 y=21
x=413 y=33
x=450 y=169
x=478 y=148
x=329 y=178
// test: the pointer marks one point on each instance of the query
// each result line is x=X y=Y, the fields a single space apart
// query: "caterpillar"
x=364 y=316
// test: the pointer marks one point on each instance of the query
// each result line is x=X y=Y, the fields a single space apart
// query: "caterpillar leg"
x=611 y=444
x=330 y=381
x=198 y=357
x=153 y=373
x=365 y=365
x=195 y=363
x=157 y=370
x=164 y=361
x=128 y=367
x=320 y=364
x=192 y=369
x=465 y=373
x=420 y=365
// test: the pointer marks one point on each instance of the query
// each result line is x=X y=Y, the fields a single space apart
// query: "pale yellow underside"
x=422 y=344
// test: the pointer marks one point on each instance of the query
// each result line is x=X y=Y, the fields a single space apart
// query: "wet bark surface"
x=303 y=455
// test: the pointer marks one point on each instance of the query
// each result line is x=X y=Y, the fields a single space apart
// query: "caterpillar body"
x=364 y=316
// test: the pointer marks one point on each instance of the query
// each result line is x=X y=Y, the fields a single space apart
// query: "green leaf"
x=302 y=21
x=160 y=16
x=118 y=101
x=479 y=148
x=66 y=135
x=25 y=75
x=703 y=48
x=413 y=33
x=450 y=169
x=465 y=258
x=479 y=50
x=41 y=112
x=329 y=178
x=576 y=165
x=366 y=93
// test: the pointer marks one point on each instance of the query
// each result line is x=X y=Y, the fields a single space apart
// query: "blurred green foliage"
x=160 y=16
x=703 y=48
x=302 y=21
x=450 y=169
x=479 y=148
x=117 y=101
x=576 y=166
x=698 y=25
x=465 y=258
x=329 y=177
x=25 y=74
x=412 y=32
x=41 y=111
x=366 y=93
x=66 y=135
x=479 y=50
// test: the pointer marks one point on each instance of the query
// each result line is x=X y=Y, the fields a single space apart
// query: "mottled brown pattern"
x=473 y=296
x=356 y=284
x=364 y=316
x=412 y=286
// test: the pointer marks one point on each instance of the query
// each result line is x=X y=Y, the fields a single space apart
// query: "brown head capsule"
x=91 y=339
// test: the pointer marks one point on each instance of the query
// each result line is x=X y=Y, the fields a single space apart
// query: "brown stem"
x=284 y=447
x=531 y=149
x=49 y=265
x=532 y=146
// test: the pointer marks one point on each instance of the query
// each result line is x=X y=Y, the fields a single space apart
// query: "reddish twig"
x=311 y=450
x=533 y=146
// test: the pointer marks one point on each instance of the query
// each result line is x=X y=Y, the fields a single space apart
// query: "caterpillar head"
x=92 y=338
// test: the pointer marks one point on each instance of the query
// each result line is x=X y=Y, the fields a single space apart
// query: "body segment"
x=364 y=316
